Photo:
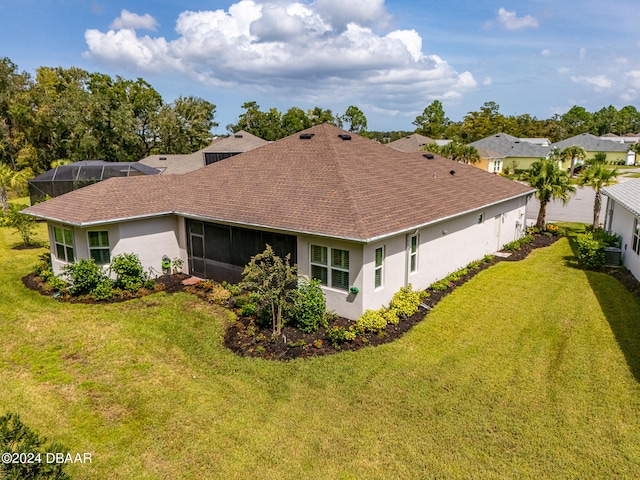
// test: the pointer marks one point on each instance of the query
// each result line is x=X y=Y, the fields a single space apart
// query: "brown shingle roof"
x=355 y=189
x=411 y=143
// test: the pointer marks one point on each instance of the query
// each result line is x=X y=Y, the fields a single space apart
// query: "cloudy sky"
x=390 y=58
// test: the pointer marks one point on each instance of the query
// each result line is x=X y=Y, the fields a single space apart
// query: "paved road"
x=579 y=208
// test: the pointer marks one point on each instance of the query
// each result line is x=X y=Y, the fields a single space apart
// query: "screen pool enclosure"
x=65 y=178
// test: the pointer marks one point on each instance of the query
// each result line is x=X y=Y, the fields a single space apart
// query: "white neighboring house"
x=623 y=218
x=363 y=218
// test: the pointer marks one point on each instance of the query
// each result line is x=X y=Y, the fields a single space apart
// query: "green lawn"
x=531 y=370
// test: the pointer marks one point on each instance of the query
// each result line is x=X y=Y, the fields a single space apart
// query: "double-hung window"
x=99 y=247
x=378 y=267
x=63 y=238
x=330 y=265
x=413 y=253
x=636 y=236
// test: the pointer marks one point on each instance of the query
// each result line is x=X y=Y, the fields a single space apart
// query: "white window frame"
x=636 y=236
x=378 y=276
x=481 y=218
x=329 y=266
x=65 y=244
x=100 y=246
x=497 y=166
x=413 y=253
x=321 y=264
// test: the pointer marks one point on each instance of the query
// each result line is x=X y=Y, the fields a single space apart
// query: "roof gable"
x=505 y=145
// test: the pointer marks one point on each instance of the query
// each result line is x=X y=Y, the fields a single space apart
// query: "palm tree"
x=573 y=153
x=597 y=176
x=10 y=180
x=550 y=183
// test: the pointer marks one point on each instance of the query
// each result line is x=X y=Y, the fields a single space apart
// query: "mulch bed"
x=241 y=335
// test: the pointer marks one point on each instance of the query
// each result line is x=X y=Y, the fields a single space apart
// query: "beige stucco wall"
x=150 y=239
x=621 y=222
x=443 y=248
x=345 y=304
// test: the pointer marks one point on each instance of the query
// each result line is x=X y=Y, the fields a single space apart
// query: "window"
x=64 y=244
x=339 y=271
x=497 y=166
x=378 y=267
x=319 y=268
x=99 y=247
x=481 y=218
x=340 y=268
x=636 y=236
x=413 y=254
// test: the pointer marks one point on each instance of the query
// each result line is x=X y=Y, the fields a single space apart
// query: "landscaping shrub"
x=338 y=334
x=130 y=275
x=23 y=224
x=372 y=321
x=309 y=306
x=405 y=302
x=391 y=317
x=18 y=440
x=84 y=275
x=249 y=310
x=590 y=252
x=518 y=244
x=609 y=239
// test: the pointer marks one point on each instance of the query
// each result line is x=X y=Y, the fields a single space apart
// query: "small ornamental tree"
x=274 y=280
x=24 y=224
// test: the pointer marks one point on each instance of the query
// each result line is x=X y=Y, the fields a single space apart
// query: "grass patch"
x=527 y=369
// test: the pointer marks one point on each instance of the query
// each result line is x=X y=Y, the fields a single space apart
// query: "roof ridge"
x=344 y=183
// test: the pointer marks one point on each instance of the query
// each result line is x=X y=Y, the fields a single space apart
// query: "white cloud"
x=487 y=82
x=563 y=70
x=133 y=21
x=279 y=45
x=511 y=21
x=546 y=52
x=629 y=95
x=599 y=81
x=634 y=78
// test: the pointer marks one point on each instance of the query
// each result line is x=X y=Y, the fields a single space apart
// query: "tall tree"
x=577 y=120
x=14 y=108
x=356 y=119
x=597 y=175
x=185 y=125
x=486 y=122
x=433 y=122
x=572 y=154
x=550 y=183
x=10 y=180
x=318 y=116
x=295 y=120
x=266 y=125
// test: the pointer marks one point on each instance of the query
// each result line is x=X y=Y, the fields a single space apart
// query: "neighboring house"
x=623 y=218
x=411 y=143
x=69 y=177
x=219 y=149
x=616 y=150
x=363 y=218
x=502 y=152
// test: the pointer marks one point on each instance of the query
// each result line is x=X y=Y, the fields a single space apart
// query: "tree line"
x=68 y=114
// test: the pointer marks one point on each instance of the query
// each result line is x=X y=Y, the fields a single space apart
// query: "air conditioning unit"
x=612 y=256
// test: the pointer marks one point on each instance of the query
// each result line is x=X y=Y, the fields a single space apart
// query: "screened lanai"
x=65 y=178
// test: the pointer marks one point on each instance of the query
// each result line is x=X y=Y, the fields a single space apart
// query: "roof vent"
x=428 y=156
x=344 y=136
x=163 y=158
x=452 y=172
x=306 y=136
x=238 y=135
